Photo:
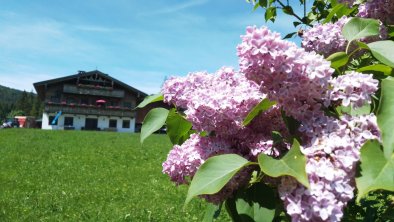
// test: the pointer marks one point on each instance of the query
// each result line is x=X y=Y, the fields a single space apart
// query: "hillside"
x=8 y=95
x=16 y=102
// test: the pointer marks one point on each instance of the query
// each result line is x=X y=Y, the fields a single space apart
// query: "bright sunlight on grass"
x=88 y=176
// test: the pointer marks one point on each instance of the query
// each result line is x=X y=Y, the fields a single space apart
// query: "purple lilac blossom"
x=325 y=39
x=296 y=79
x=223 y=103
x=214 y=102
x=299 y=82
x=331 y=167
x=378 y=9
x=177 y=90
x=353 y=88
x=183 y=161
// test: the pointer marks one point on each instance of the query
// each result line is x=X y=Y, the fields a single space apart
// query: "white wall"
x=103 y=122
x=79 y=122
x=45 y=124
x=120 y=123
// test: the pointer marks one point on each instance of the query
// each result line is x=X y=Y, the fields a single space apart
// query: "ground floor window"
x=68 y=121
x=126 y=124
x=112 y=123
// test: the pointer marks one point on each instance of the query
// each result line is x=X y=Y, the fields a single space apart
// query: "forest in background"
x=15 y=102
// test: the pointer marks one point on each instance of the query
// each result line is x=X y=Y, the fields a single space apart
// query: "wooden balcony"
x=88 y=110
x=83 y=90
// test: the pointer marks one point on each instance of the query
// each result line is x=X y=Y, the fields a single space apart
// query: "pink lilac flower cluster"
x=353 y=88
x=299 y=81
x=325 y=39
x=378 y=9
x=218 y=103
x=296 y=79
x=223 y=104
x=176 y=90
x=301 y=84
x=331 y=167
x=183 y=161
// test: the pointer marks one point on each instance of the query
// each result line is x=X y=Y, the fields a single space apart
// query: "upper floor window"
x=127 y=105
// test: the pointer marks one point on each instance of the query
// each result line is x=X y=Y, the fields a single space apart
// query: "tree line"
x=19 y=103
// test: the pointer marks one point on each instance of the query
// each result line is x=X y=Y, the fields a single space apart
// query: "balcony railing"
x=88 y=110
x=99 y=91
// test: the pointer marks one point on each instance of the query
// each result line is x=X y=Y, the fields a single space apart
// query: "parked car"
x=10 y=123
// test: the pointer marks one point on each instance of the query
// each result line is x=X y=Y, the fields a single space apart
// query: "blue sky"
x=137 y=42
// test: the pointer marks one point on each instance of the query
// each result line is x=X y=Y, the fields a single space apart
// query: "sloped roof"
x=40 y=86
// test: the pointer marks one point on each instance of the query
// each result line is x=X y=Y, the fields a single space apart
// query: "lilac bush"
x=284 y=95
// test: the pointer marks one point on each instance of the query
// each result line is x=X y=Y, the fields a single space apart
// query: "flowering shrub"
x=310 y=126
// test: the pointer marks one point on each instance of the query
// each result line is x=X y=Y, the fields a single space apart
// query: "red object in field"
x=101 y=101
x=22 y=121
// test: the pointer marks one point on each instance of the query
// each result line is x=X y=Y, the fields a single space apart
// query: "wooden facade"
x=89 y=100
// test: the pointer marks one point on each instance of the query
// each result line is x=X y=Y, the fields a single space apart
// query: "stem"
x=305 y=8
x=352 y=53
x=293 y=14
x=348 y=46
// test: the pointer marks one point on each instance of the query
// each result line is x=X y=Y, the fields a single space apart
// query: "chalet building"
x=89 y=101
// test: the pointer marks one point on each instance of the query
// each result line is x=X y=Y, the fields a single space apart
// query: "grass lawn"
x=88 y=176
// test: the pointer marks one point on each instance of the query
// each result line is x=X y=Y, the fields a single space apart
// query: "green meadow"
x=88 y=176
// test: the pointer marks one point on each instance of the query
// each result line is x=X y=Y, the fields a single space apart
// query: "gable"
x=89 y=78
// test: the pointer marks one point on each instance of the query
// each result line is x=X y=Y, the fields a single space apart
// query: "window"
x=55 y=99
x=85 y=101
x=68 y=121
x=50 y=120
x=112 y=123
x=126 y=124
x=127 y=104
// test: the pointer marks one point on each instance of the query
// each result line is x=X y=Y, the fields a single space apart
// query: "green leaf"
x=289 y=35
x=288 y=10
x=387 y=70
x=362 y=45
x=256 y=6
x=211 y=212
x=257 y=203
x=264 y=105
x=376 y=171
x=386 y=116
x=296 y=24
x=292 y=164
x=150 y=99
x=390 y=30
x=363 y=110
x=153 y=121
x=338 y=59
x=270 y=14
x=263 y=3
x=214 y=174
x=333 y=11
x=177 y=127
x=357 y=28
x=383 y=51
